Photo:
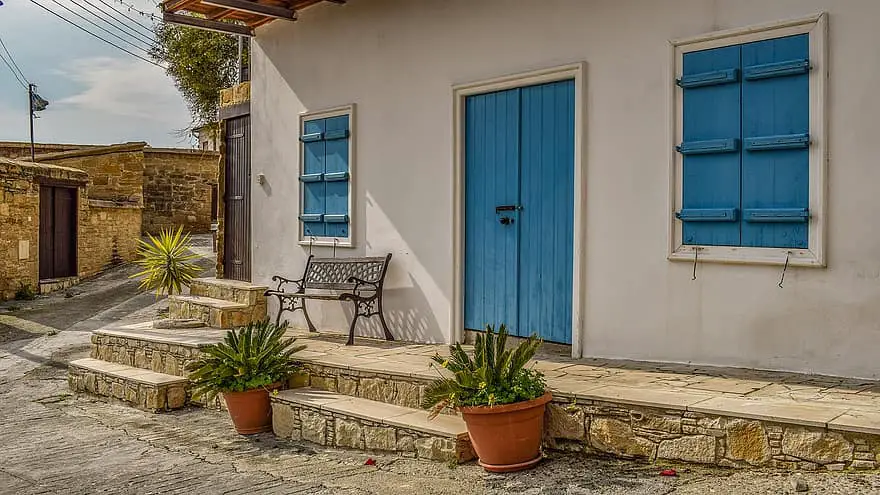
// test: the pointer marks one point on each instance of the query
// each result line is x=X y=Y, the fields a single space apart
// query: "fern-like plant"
x=167 y=262
x=250 y=357
x=493 y=376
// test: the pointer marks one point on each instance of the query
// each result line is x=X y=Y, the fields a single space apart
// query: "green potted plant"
x=168 y=265
x=502 y=402
x=249 y=363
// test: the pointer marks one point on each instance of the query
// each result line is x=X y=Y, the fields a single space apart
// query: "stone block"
x=171 y=367
x=156 y=363
x=314 y=427
x=176 y=397
x=140 y=359
x=349 y=434
x=616 y=437
x=405 y=443
x=656 y=422
x=346 y=385
x=859 y=464
x=298 y=380
x=815 y=445
x=376 y=389
x=407 y=395
x=747 y=441
x=564 y=422
x=284 y=422
x=435 y=448
x=323 y=382
x=379 y=438
x=696 y=448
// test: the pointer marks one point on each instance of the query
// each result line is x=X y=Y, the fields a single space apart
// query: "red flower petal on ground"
x=370 y=462
x=668 y=472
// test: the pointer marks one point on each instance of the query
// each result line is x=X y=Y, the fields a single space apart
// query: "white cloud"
x=124 y=87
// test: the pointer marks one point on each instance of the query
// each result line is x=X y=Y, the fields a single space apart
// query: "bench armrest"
x=284 y=281
x=361 y=284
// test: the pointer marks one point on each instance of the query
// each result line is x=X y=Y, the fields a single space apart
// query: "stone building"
x=121 y=192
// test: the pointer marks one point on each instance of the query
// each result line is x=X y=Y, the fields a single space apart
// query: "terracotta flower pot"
x=250 y=410
x=507 y=438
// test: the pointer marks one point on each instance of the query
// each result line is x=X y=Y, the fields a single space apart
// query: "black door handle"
x=505 y=220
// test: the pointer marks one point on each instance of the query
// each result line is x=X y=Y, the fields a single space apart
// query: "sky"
x=97 y=94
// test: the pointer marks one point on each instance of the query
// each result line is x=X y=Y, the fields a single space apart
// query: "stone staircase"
x=145 y=366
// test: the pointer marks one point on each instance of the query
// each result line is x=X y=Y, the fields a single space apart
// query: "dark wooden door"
x=237 y=214
x=58 y=222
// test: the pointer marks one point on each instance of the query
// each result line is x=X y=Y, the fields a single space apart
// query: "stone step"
x=335 y=419
x=229 y=290
x=162 y=352
x=216 y=313
x=138 y=387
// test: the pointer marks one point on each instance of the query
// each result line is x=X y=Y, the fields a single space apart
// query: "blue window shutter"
x=336 y=176
x=311 y=180
x=710 y=146
x=776 y=158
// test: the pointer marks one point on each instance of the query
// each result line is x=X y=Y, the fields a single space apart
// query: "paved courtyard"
x=54 y=442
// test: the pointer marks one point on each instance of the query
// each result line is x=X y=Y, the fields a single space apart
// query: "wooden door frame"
x=224 y=191
x=52 y=186
x=460 y=92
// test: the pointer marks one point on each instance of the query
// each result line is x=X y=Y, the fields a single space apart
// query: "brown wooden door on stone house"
x=58 y=220
x=237 y=213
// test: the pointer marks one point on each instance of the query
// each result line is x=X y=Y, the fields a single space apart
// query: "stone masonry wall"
x=109 y=235
x=178 y=187
x=677 y=436
x=22 y=150
x=149 y=397
x=20 y=219
x=116 y=173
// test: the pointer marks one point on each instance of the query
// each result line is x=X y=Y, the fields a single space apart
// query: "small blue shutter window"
x=745 y=144
x=776 y=126
x=711 y=147
x=325 y=177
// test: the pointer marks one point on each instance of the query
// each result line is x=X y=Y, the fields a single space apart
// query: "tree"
x=201 y=64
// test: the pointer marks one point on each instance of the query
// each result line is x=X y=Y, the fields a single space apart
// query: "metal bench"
x=358 y=280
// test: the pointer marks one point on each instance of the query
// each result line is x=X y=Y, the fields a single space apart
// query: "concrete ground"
x=53 y=442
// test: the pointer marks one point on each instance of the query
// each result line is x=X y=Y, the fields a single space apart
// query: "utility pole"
x=31 y=115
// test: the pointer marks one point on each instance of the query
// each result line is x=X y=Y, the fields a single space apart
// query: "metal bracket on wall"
x=696 y=253
x=784 y=268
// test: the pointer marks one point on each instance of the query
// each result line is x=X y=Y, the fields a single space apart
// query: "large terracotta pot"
x=507 y=438
x=250 y=410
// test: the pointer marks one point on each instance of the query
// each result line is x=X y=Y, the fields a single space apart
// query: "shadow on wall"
x=407 y=312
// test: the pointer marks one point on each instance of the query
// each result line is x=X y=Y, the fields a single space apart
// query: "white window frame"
x=814 y=255
x=349 y=110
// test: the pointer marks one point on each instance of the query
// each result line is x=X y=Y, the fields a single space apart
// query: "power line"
x=12 y=59
x=17 y=78
x=102 y=28
x=118 y=24
x=136 y=22
x=95 y=35
x=132 y=8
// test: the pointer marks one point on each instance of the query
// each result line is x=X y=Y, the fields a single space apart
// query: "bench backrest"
x=334 y=273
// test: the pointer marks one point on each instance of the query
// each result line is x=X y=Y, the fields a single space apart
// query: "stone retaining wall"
x=149 y=397
x=179 y=189
x=324 y=428
x=108 y=236
x=672 y=435
x=159 y=357
x=400 y=391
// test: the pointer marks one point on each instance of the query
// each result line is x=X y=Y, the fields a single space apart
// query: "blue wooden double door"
x=519 y=210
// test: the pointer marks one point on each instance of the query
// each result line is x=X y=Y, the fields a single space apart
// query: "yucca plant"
x=494 y=376
x=250 y=357
x=167 y=263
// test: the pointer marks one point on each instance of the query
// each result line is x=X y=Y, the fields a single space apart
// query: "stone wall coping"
x=43 y=169
x=181 y=151
x=236 y=284
x=812 y=414
x=128 y=373
x=857 y=421
x=93 y=151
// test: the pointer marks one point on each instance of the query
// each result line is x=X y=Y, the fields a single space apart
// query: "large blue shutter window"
x=745 y=144
x=325 y=177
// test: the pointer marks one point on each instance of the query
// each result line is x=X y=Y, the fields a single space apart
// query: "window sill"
x=327 y=242
x=747 y=256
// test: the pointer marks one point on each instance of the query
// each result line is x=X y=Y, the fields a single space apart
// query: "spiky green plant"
x=494 y=376
x=250 y=357
x=167 y=262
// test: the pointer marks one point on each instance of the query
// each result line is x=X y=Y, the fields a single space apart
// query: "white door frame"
x=460 y=92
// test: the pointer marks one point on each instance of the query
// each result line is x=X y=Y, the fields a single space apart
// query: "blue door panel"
x=491 y=179
x=313 y=190
x=547 y=217
x=776 y=108
x=711 y=143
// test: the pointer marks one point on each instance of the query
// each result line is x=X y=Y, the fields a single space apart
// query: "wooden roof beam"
x=258 y=9
x=175 y=5
x=219 y=14
x=207 y=24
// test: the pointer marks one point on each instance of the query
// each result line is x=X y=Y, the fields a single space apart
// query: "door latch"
x=499 y=209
